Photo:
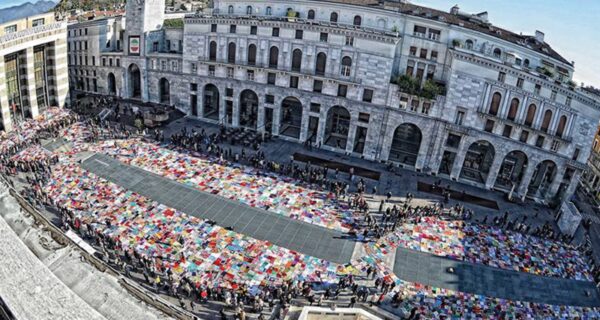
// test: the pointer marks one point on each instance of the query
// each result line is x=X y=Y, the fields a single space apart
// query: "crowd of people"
x=196 y=261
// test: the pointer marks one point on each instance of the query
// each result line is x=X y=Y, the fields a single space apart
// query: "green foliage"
x=173 y=23
x=408 y=84
x=547 y=72
x=430 y=90
x=456 y=43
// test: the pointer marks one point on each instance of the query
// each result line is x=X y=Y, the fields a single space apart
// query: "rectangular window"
x=299 y=34
x=213 y=28
x=342 y=90
x=364 y=117
x=229 y=92
x=269 y=98
x=194 y=86
x=10 y=29
x=507 y=131
x=103 y=62
x=423 y=54
x=253 y=30
x=434 y=34
x=576 y=154
x=271 y=78
x=250 y=75
x=537 y=89
x=419 y=31
x=460 y=116
x=229 y=72
x=453 y=141
x=315 y=107
x=318 y=86
x=553 y=95
x=539 y=142
x=434 y=55
x=93 y=60
x=194 y=68
x=412 y=51
x=211 y=71
x=350 y=41
x=520 y=82
x=489 y=126
x=85 y=28
x=524 y=136
x=294 y=82
x=414 y=105
x=40 y=22
x=155 y=46
x=501 y=76
x=555 y=145
x=426 y=107
x=232 y=28
x=323 y=37
x=367 y=95
x=118 y=62
x=275 y=32
x=568 y=102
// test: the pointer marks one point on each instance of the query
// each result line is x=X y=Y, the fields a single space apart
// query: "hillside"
x=25 y=10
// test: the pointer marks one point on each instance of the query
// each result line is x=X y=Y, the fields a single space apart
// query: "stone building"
x=444 y=93
x=33 y=67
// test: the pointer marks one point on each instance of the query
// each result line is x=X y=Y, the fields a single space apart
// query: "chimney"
x=539 y=36
x=454 y=10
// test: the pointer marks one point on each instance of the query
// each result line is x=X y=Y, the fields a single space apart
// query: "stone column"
x=33 y=107
x=494 y=169
x=555 y=185
x=526 y=180
x=277 y=118
x=459 y=159
x=572 y=185
x=321 y=129
x=305 y=121
x=222 y=106
x=351 y=136
x=237 y=106
x=4 y=107
x=260 y=122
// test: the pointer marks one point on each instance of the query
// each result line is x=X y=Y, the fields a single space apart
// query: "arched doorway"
x=542 y=178
x=164 y=90
x=291 y=117
x=248 y=109
x=511 y=171
x=112 y=85
x=406 y=144
x=210 y=109
x=478 y=161
x=337 y=127
x=135 y=81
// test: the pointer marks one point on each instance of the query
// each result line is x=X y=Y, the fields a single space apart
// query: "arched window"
x=562 y=123
x=495 y=105
x=469 y=44
x=530 y=115
x=230 y=10
x=497 y=53
x=321 y=64
x=311 y=14
x=514 y=108
x=249 y=10
x=526 y=63
x=252 y=54
x=297 y=60
x=231 y=53
x=346 y=66
x=273 y=57
x=357 y=21
x=212 y=55
x=546 y=121
x=333 y=17
x=269 y=11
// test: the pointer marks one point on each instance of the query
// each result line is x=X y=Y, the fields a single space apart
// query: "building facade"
x=33 y=67
x=445 y=93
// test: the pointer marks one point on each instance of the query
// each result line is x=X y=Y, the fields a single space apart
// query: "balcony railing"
x=31 y=33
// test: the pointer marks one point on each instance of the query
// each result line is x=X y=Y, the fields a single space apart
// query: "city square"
x=182 y=174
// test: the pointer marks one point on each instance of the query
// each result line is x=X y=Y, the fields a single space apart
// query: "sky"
x=570 y=26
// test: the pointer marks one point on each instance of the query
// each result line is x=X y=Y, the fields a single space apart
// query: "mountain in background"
x=87 y=5
x=26 y=9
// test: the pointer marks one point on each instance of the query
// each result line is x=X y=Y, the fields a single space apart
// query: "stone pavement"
x=257 y=223
x=468 y=277
x=335 y=246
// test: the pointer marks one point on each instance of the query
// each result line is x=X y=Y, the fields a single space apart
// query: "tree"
x=430 y=90
x=408 y=84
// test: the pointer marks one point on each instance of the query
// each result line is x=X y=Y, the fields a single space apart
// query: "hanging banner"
x=134 y=45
